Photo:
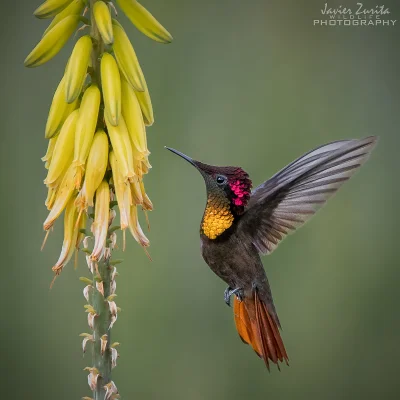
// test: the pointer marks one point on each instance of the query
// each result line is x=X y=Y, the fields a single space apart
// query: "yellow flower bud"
x=52 y=42
x=76 y=71
x=49 y=153
x=137 y=197
x=70 y=236
x=136 y=229
x=126 y=58
x=144 y=21
x=133 y=118
x=75 y=8
x=121 y=144
x=111 y=85
x=64 y=193
x=122 y=192
x=85 y=129
x=50 y=8
x=101 y=220
x=95 y=169
x=64 y=149
x=145 y=104
x=56 y=184
x=147 y=204
x=141 y=167
x=145 y=166
x=51 y=197
x=59 y=111
x=102 y=17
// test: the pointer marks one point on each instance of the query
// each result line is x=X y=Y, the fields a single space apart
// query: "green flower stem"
x=102 y=362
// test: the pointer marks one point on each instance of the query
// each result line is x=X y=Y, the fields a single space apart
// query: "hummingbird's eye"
x=221 y=179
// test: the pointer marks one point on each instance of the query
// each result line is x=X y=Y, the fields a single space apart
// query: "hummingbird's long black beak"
x=184 y=156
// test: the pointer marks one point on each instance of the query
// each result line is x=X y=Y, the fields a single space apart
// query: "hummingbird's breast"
x=217 y=216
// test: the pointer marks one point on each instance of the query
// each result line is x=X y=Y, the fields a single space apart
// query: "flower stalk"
x=97 y=154
x=102 y=314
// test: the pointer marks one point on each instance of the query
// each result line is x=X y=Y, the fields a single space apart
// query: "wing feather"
x=293 y=195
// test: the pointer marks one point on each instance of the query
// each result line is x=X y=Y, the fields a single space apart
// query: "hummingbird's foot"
x=229 y=292
x=227 y=296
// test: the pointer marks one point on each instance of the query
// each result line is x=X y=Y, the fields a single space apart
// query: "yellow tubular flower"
x=56 y=184
x=64 y=193
x=133 y=117
x=95 y=169
x=50 y=8
x=102 y=17
x=147 y=204
x=138 y=169
x=144 y=21
x=70 y=107
x=145 y=104
x=85 y=129
x=62 y=172
x=52 y=42
x=137 y=197
x=51 y=196
x=101 y=220
x=59 y=111
x=50 y=199
x=122 y=192
x=49 y=153
x=120 y=141
x=136 y=229
x=77 y=68
x=126 y=58
x=145 y=165
x=142 y=166
x=70 y=236
x=111 y=85
x=128 y=146
x=64 y=149
x=75 y=8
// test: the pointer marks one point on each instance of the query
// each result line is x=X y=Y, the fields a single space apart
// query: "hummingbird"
x=240 y=224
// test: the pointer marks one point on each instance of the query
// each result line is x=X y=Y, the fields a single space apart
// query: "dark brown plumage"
x=239 y=224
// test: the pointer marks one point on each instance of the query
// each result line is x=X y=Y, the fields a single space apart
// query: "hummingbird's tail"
x=258 y=328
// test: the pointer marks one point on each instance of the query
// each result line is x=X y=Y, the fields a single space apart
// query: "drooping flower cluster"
x=97 y=120
x=97 y=153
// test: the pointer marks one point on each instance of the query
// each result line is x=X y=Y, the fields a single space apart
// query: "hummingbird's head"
x=228 y=191
x=232 y=183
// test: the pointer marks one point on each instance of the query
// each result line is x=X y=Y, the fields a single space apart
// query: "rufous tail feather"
x=259 y=329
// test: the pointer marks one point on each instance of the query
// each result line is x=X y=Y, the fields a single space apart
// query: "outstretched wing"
x=293 y=195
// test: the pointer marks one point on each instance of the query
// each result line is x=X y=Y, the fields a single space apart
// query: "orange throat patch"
x=217 y=217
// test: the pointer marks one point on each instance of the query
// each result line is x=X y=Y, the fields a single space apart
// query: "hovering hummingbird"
x=240 y=224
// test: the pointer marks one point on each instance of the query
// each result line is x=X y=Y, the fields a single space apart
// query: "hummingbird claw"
x=229 y=292
x=227 y=296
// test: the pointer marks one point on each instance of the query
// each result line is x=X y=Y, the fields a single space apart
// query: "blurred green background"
x=250 y=83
